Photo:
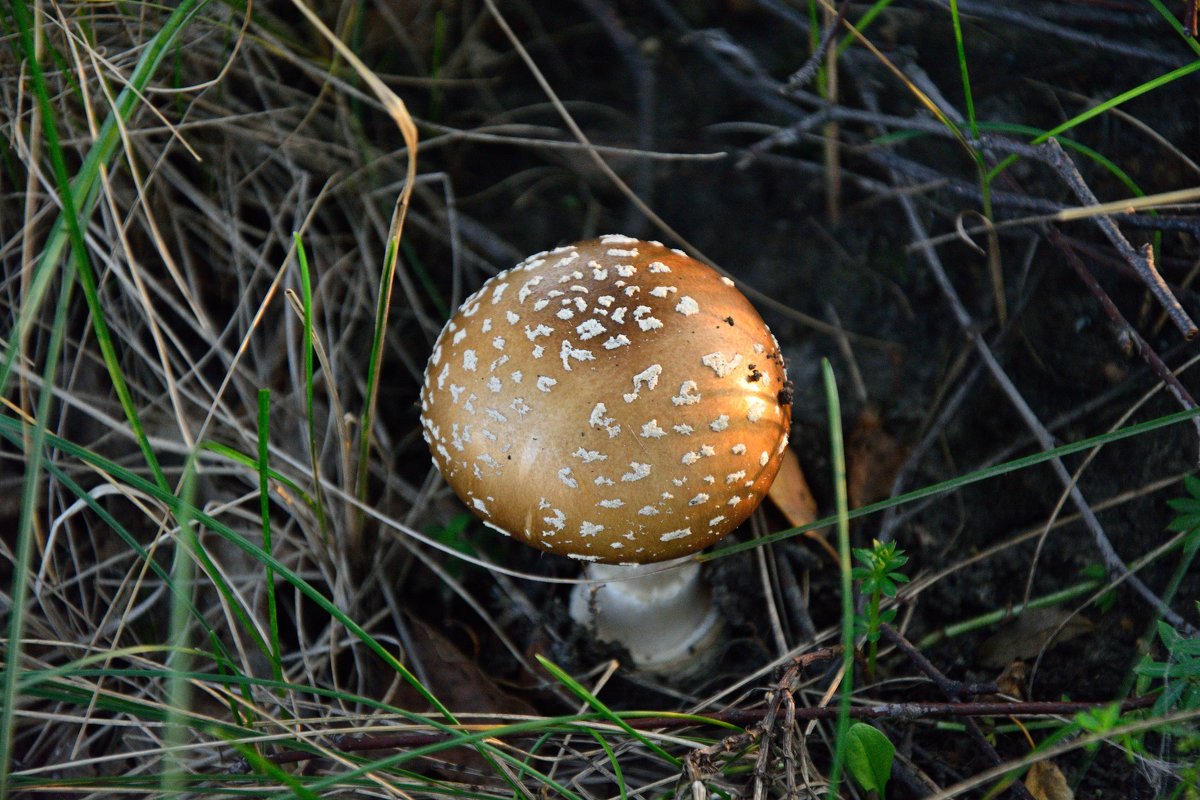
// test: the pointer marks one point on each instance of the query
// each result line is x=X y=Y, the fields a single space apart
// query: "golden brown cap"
x=612 y=400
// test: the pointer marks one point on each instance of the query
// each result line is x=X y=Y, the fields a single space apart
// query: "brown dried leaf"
x=791 y=495
x=790 y=492
x=1029 y=634
x=873 y=459
x=1011 y=681
x=456 y=680
x=1045 y=781
x=461 y=685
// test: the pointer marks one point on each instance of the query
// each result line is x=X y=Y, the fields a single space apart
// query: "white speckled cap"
x=612 y=400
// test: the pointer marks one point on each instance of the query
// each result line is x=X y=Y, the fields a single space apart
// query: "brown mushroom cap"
x=612 y=400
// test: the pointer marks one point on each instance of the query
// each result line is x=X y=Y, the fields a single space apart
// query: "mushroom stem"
x=662 y=613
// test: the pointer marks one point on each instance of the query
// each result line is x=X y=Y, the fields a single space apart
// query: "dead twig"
x=953 y=690
x=1125 y=331
x=1142 y=263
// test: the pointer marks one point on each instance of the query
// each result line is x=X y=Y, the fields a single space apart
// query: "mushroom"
x=617 y=402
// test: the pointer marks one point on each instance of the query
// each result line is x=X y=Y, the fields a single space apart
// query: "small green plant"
x=1104 y=719
x=869 y=756
x=1189 y=776
x=1187 y=517
x=878 y=577
x=1178 y=675
x=1097 y=573
x=454 y=536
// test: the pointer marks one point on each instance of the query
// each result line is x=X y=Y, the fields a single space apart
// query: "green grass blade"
x=985 y=183
x=264 y=508
x=964 y=480
x=838 y=458
x=1008 y=612
x=1070 y=144
x=580 y=691
x=250 y=462
x=1097 y=110
x=376 y=359
x=1121 y=99
x=34 y=455
x=614 y=762
x=863 y=23
x=78 y=198
x=1174 y=22
x=179 y=695
x=960 y=50
x=307 y=303
x=1028 y=130
x=267 y=767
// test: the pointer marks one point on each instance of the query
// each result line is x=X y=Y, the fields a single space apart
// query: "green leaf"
x=1184 y=523
x=1184 y=503
x=1100 y=720
x=869 y=757
x=1168 y=635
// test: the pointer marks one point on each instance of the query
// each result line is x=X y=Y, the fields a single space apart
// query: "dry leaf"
x=790 y=492
x=1045 y=781
x=1030 y=634
x=1011 y=681
x=456 y=680
x=460 y=684
x=873 y=458
x=791 y=495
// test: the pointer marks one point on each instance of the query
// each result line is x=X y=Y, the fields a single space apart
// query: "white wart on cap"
x=612 y=400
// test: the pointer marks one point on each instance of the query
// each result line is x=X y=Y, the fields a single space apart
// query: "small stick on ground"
x=953 y=690
x=1142 y=263
x=1124 y=329
x=702 y=762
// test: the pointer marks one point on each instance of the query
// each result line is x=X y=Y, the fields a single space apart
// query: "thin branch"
x=953 y=689
x=1143 y=263
x=1125 y=331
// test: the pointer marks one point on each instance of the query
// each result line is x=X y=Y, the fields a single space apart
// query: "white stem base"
x=662 y=614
